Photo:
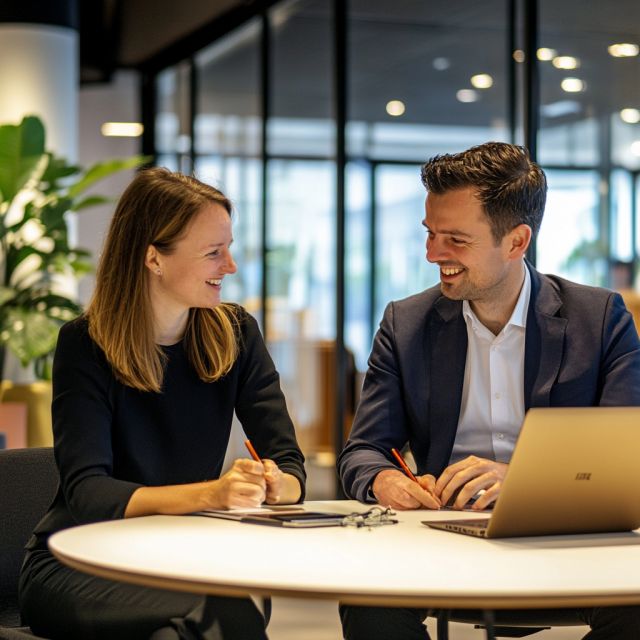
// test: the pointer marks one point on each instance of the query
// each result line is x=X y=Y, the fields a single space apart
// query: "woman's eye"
x=213 y=254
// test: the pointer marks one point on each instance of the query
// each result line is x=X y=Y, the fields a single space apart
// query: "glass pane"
x=301 y=223
x=227 y=143
x=358 y=312
x=172 y=134
x=301 y=285
x=590 y=101
x=569 y=243
x=621 y=216
x=426 y=77
x=401 y=265
x=301 y=75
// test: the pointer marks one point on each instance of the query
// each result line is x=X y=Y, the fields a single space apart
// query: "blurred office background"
x=314 y=116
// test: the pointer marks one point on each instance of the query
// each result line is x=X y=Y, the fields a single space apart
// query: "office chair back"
x=28 y=483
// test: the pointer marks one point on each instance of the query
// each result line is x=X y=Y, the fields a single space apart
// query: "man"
x=454 y=369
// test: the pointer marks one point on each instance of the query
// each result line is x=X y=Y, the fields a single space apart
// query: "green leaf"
x=102 y=170
x=21 y=149
x=57 y=168
x=52 y=214
x=90 y=201
x=6 y=294
x=30 y=334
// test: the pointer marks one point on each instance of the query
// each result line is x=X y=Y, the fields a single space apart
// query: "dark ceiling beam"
x=204 y=36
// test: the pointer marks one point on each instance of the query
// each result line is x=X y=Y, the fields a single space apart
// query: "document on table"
x=239 y=514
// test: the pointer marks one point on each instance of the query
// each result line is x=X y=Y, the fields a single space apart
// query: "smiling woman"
x=145 y=386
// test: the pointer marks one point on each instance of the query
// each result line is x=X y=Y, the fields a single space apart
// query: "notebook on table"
x=573 y=471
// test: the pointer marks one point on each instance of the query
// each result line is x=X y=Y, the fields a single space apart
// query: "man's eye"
x=458 y=241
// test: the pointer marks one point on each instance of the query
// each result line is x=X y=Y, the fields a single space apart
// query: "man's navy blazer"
x=581 y=349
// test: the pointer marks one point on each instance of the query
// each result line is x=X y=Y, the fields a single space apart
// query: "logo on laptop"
x=583 y=476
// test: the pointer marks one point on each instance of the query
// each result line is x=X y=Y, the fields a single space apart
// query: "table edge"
x=441 y=602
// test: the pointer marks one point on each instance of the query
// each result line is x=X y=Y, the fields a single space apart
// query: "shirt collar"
x=519 y=315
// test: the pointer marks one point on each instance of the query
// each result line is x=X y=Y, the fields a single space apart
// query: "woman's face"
x=191 y=276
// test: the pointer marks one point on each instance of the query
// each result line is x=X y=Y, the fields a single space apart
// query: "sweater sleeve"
x=82 y=421
x=261 y=407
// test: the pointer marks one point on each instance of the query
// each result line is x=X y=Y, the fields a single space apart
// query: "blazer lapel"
x=446 y=344
x=544 y=345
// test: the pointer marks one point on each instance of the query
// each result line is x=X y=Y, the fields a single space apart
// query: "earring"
x=159 y=272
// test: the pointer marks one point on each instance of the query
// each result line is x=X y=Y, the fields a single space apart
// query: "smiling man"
x=454 y=369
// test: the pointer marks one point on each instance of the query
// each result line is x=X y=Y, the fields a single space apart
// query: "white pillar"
x=39 y=75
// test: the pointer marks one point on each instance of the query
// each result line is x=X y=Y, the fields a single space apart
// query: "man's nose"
x=435 y=250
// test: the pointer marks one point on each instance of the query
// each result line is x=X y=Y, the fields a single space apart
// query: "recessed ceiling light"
x=122 y=129
x=395 y=108
x=482 y=81
x=546 y=54
x=623 y=50
x=566 y=62
x=572 y=85
x=635 y=148
x=441 y=64
x=467 y=95
x=632 y=116
x=518 y=55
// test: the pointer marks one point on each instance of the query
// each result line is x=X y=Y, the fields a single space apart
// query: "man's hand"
x=469 y=476
x=393 y=489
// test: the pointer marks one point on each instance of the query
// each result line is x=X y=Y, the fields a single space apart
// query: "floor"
x=298 y=619
x=318 y=620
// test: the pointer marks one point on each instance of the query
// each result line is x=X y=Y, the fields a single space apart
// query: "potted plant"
x=37 y=262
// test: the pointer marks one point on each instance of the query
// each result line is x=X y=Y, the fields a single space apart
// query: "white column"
x=39 y=75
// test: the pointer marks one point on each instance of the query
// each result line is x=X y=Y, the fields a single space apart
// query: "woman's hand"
x=243 y=486
x=282 y=488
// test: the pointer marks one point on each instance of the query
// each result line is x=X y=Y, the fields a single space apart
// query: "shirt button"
x=497 y=396
x=500 y=436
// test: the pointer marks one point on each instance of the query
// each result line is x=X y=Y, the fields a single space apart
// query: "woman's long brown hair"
x=156 y=209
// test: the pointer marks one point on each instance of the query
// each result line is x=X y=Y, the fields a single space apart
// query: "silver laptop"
x=574 y=470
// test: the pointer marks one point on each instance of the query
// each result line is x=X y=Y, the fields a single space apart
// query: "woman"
x=145 y=385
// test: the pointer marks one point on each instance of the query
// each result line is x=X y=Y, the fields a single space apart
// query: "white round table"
x=407 y=564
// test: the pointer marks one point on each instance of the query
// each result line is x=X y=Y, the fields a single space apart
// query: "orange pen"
x=403 y=464
x=408 y=471
x=252 y=451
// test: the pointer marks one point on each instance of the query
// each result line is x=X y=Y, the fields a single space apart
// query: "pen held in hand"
x=409 y=473
x=403 y=465
x=252 y=451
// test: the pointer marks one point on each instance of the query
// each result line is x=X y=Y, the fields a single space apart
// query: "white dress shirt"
x=492 y=407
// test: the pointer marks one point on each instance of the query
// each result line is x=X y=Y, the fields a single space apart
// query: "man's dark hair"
x=511 y=187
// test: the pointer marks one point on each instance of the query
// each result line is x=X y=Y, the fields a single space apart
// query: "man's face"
x=459 y=241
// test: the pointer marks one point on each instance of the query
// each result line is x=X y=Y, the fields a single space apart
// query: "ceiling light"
x=482 y=81
x=518 y=55
x=566 y=62
x=395 y=108
x=635 y=148
x=545 y=54
x=122 y=129
x=441 y=64
x=572 y=85
x=467 y=95
x=623 y=50
x=632 y=116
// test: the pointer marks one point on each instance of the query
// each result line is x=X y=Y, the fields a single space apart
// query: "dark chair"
x=28 y=482
x=504 y=624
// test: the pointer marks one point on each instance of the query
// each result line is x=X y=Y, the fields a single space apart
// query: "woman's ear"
x=152 y=260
